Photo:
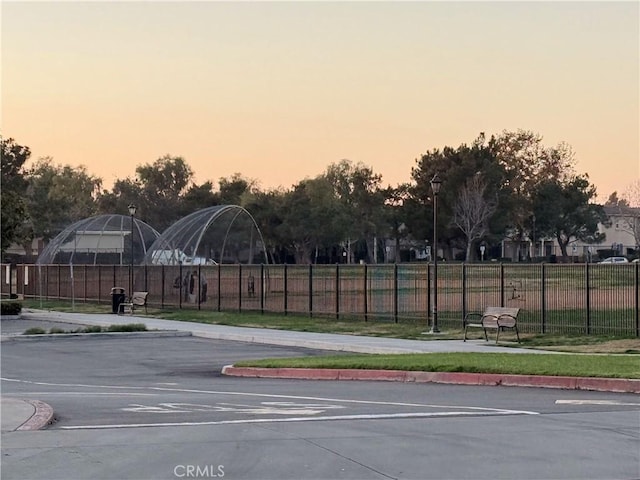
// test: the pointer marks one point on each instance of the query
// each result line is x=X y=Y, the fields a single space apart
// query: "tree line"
x=508 y=185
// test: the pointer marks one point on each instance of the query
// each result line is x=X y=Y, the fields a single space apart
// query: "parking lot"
x=157 y=407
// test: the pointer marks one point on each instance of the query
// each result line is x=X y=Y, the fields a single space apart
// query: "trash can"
x=117 y=298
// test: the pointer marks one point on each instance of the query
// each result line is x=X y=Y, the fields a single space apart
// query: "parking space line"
x=383 y=416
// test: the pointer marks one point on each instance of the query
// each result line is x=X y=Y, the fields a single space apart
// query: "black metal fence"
x=553 y=298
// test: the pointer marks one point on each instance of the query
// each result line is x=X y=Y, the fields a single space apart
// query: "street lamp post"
x=436 y=182
x=535 y=253
x=132 y=213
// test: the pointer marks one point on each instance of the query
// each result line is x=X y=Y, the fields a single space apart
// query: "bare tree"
x=632 y=194
x=473 y=211
x=630 y=213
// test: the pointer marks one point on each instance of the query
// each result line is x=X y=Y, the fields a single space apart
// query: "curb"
x=619 y=385
x=42 y=417
x=49 y=336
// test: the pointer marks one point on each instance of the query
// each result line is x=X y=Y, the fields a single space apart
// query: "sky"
x=278 y=91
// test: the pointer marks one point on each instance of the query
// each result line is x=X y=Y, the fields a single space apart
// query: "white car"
x=615 y=260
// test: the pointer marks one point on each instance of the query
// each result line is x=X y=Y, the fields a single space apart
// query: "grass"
x=299 y=323
x=606 y=366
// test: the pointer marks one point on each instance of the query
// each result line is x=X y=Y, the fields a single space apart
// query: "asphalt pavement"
x=18 y=414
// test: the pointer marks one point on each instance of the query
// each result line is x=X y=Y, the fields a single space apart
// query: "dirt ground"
x=613 y=346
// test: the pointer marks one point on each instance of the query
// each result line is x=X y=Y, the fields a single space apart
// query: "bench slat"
x=137 y=299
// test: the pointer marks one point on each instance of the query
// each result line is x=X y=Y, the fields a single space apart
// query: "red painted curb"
x=40 y=419
x=621 y=385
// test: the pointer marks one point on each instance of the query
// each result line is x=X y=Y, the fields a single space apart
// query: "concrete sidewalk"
x=18 y=414
x=320 y=341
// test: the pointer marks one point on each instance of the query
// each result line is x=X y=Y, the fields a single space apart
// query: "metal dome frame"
x=194 y=240
x=100 y=237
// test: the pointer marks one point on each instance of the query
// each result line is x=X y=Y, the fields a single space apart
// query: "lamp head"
x=132 y=209
x=436 y=183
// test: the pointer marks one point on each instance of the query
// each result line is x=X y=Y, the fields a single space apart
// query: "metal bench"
x=497 y=318
x=137 y=300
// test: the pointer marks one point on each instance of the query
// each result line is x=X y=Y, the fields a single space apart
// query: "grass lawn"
x=606 y=366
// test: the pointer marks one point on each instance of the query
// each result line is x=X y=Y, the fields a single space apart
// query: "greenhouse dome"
x=211 y=236
x=100 y=240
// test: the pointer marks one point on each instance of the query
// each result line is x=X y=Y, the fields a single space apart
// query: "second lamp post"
x=132 y=213
x=436 y=182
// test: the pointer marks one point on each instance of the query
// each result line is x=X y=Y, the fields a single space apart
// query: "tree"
x=232 y=189
x=59 y=195
x=628 y=209
x=313 y=218
x=631 y=195
x=472 y=211
x=13 y=206
x=197 y=197
x=267 y=209
x=563 y=209
x=615 y=201
x=162 y=185
x=455 y=166
x=359 y=190
x=396 y=216
x=123 y=193
x=527 y=164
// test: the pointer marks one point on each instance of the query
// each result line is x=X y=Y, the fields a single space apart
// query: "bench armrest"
x=506 y=320
x=472 y=317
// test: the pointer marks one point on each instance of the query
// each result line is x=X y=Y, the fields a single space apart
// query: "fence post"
x=199 y=285
x=146 y=277
x=586 y=270
x=637 y=300
x=337 y=291
x=464 y=290
x=428 y=294
x=99 y=285
x=219 y=287
x=543 y=299
x=162 y=284
x=310 y=290
x=395 y=292
x=285 y=287
x=501 y=284
x=262 y=288
x=182 y=287
x=240 y=287
x=364 y=298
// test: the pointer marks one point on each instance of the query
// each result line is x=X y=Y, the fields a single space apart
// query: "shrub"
x=92 y=329
x=34 y=331
x=57 y=330
x=129 y=327
x=10 y=308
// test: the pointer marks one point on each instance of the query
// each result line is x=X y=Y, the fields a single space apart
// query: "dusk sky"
x=277 y=91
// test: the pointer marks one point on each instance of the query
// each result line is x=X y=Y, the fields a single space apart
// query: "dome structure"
x=213 y=235
x=100 y=240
